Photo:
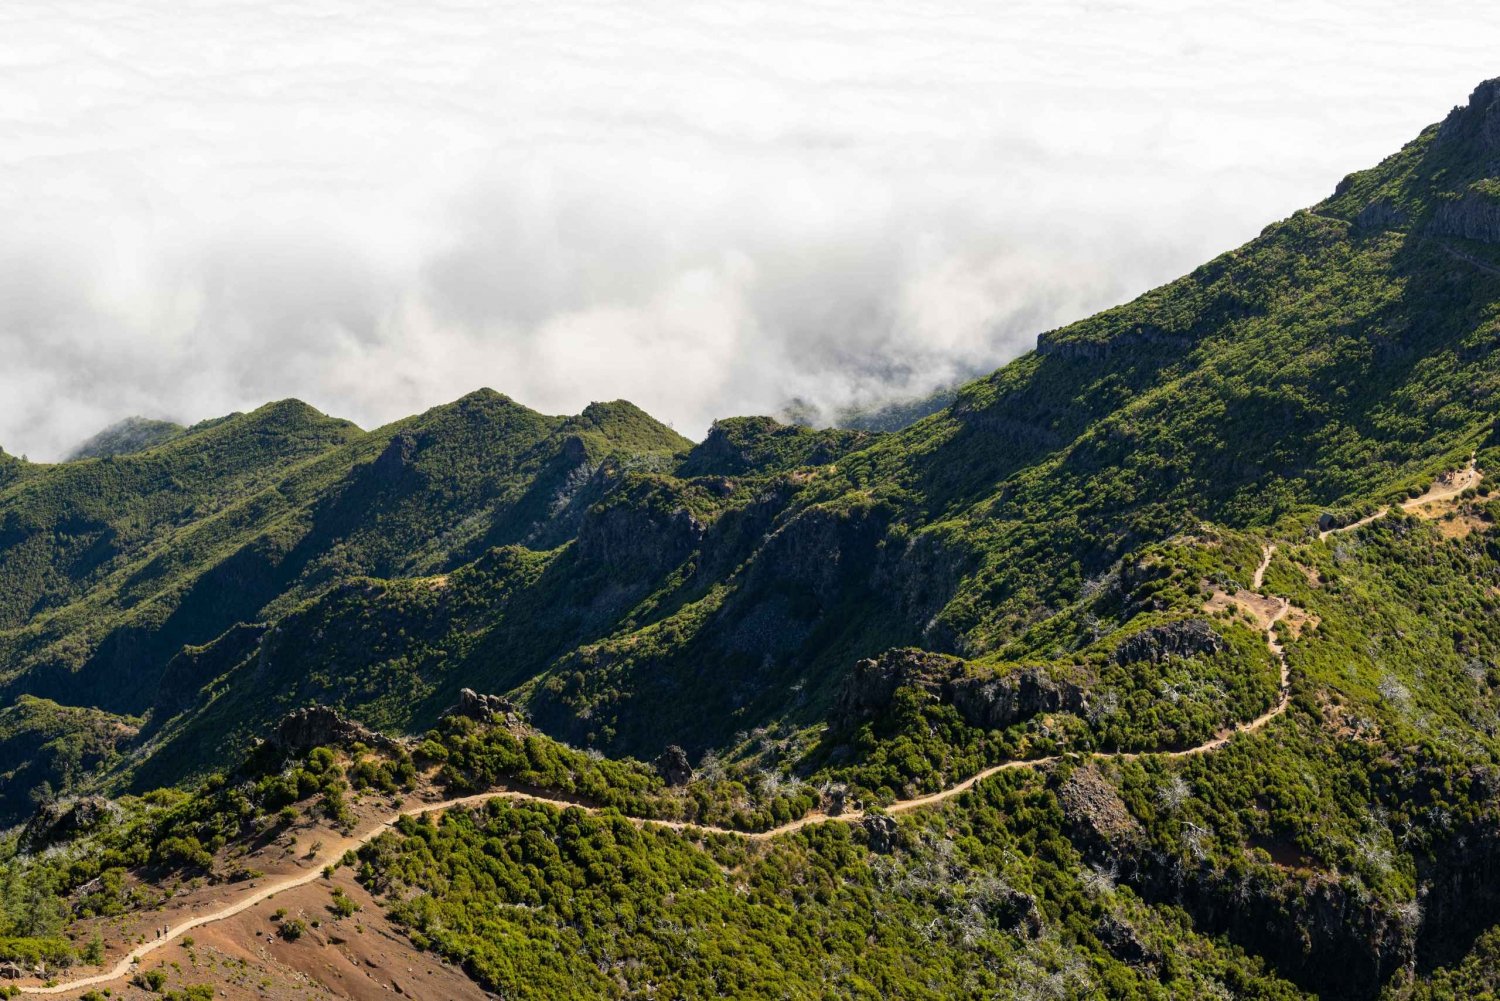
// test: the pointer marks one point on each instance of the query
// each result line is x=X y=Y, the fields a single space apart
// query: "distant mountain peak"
x=1477 y=122
x=133 y=434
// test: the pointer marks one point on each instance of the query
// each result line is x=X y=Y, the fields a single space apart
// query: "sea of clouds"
x=707 y=208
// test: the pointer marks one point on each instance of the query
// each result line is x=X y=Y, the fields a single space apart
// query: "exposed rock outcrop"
x=396 y=458
x=995 y=703
x=65 y=819
x=1188 y=638
x=1123 y=942
x=321 y=726
x=673 y=766
x=1317 y=929
x=1473 y=216
x=1010 y=908
x=881 y=831
x=639 y=535
x=1095 y=815
x=987 y=701
x=1378 y=215
x=822 y=549
x=485 y=708
x=1476 y=123
x=868 y=688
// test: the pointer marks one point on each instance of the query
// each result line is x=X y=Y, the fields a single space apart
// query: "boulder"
x=881 y=831
x=1095 y=815
x=673 y=766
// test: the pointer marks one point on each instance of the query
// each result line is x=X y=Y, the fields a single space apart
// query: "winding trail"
x=335 y=851
x=1444 y=488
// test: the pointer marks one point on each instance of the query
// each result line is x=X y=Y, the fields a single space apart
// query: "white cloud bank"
x=706 y=208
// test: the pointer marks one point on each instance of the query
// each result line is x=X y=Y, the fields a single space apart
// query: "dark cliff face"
x=1476 y=124
x=636 y=540
x=1475 y=215
x=1318 y=930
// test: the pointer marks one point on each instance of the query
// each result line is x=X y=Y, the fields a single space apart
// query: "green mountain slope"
x=1080 y=559
x=133 y=434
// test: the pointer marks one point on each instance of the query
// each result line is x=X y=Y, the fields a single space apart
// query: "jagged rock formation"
x=639 y=539
x=1473 y=216
x=988 y=701
x=321 y=726
x=1095 y=814
x=485 y=708
x=62 y=820
x=1380 y=214
x=1188 y=638
x=881 y=832
x=673 y=766
x=1475 y=125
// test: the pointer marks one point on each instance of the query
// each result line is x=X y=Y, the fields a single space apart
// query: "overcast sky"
x=707 y=208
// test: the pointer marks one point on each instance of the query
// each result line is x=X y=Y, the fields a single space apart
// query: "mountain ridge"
x=1072 y=562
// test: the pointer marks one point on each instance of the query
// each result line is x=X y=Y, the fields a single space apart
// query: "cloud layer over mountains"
x=707 y=208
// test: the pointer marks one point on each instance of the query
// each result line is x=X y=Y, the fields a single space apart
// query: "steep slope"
x=1161 y=569
x=114 y=565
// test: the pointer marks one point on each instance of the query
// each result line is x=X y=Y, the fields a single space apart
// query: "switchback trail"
x=1446 y=487
x=332 y=853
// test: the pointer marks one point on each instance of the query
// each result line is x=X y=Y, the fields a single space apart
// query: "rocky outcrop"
x=1476 y=124
x=396 y=458
x=321 y=726
x=922 y=575
x=1188 y=638
x=485 y=708
x=1123 y=942
x=1379 y=215
x=1095 y=816
x=868 y=688
x=1325 y=934
x=881 y=832
x=996 y=703
x=991 y=702
x=639 y=535
x=821 y=550
x=1473 y=216
x=1010 y=908
x=65 y=819
x=673 y=766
